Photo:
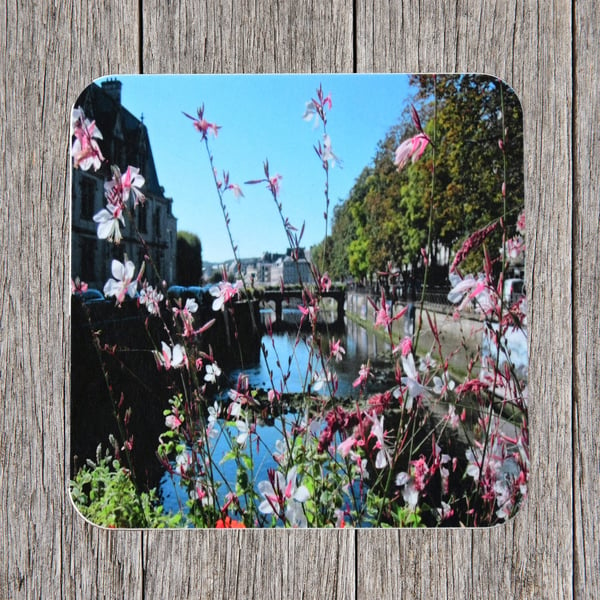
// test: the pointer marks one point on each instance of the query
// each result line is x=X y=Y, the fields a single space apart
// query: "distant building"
x=125 y=142
x=291 y=271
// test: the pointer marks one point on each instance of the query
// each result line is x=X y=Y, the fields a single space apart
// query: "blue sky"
x=260 y=118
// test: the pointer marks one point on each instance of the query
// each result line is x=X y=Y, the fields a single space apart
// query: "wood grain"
x=586 y=292
x=531 y=556
x=246 y=37
x=53 y=50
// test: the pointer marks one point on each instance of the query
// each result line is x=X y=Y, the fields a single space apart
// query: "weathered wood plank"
x=586 y=292
x=52 y=51
x=528 y=45
x=247 y=37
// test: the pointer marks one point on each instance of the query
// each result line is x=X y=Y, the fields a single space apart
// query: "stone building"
x=125 y=143
x=291 y=271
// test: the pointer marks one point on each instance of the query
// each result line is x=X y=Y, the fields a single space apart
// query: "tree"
x=387 y=214
x=189 y=258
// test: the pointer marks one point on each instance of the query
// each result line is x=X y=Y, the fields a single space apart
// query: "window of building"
x=87 y=187
x=88 y=262
x=142 y=218
x=157 y=223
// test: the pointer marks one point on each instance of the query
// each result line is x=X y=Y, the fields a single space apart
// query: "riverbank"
x=460 y=339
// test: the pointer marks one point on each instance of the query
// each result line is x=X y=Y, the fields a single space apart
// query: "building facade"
x=125 y=143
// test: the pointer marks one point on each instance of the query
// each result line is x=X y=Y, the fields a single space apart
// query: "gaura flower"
x=120 y=187
x=202 y=125
x=336 y=349
x=108 y=223
x=411 y=381
x=411 y=149
x=172 y=421
x=224 y=292
x=123 y=283
x=212 y=372
x=284 y=496
x=85 y=150
x=363 y=375
x=171 y=358
x=151 y=298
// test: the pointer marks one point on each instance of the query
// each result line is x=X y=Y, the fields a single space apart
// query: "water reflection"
x=292 y=352
x=293 y=349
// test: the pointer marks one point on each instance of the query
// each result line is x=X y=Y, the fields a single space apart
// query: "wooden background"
x=547 y=50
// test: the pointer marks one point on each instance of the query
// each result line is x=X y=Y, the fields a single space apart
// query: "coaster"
x=298 y=301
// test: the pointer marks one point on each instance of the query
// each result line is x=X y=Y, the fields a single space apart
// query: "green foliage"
x=105 y=493
x=189 y=259
x=385 y=217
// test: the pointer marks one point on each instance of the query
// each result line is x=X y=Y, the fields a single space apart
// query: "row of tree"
x=475 y=126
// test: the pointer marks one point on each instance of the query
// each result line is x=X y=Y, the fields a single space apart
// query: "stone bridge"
x=277 y=297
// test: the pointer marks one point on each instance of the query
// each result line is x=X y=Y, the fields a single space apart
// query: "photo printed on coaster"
x=298 y=301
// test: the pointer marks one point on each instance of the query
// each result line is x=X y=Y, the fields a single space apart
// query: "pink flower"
x=236 y=189
x=316 y=107
x=85 y=150
x=123 y=283
x=347 y=445
x=363 y=375
x=412 y=148
x=405 y=346
x=382 y=316
x=521 y=223
x=309 y=311
x=172 y=421
x=224 y=292
x=78 y=286
x=120 y=187
x=202 y=125
x=515 y=248
x=325 y=282
x=336 y=349
x=274 y=183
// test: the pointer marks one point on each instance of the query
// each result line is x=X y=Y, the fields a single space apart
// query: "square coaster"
x=298 y=301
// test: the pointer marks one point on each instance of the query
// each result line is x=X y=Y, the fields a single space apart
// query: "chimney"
x=112 y=87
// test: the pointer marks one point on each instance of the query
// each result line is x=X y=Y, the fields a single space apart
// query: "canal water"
x=288 y=348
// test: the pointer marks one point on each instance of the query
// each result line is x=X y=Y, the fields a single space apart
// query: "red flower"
x=229 y=523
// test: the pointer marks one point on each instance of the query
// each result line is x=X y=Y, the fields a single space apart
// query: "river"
x=359 y=346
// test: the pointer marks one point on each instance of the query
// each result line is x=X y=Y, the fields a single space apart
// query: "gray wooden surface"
x=547 y=50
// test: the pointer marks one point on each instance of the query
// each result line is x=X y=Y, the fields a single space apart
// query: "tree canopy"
x=189 y=259
x=475 y=126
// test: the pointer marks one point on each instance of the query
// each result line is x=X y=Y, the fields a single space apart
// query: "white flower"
x=409 y=491
x=278 y=491
x=171 y=358
x=123 y=283
x=212 y=372
x=183 y=462
x=243 y=433
x=191 y=305
x=411 y=381
x=151 y=298
x=224 y=292
x=108 y=223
